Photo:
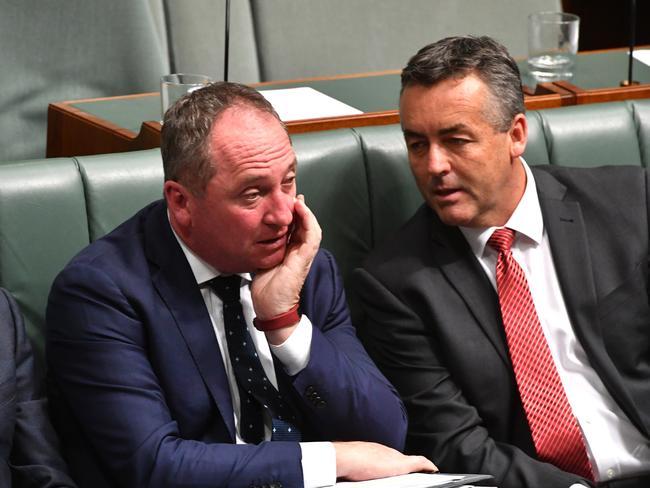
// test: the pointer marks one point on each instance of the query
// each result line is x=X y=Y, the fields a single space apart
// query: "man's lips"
x=273 y=240
x=445 y=192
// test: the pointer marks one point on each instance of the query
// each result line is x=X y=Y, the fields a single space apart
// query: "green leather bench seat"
x=357 y=182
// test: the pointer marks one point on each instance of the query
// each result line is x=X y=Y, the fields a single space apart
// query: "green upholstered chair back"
x=392 y=193
x=42 y=225
x=332 y=178
x=300 y=38
x=196 y=35
x=54 y=51
x=592 y=135
x=117 y=187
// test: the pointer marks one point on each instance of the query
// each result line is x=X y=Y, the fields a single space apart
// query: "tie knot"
x=226 y=287
x=501 y=240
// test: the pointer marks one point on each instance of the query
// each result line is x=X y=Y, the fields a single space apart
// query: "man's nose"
x=280 y=209
x=437 y=161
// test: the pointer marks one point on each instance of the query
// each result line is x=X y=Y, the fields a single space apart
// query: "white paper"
x=413 y=480
x=642 y=55
x=306 y=103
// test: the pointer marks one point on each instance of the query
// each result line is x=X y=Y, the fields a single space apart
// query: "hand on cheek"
x=275 y=291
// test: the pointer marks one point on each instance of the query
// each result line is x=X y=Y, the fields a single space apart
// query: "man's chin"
x=271 y=261
x=454 y=217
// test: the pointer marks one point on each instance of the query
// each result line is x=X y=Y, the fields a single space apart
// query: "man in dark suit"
x=28 y=444
x=511 y=312
x=210 y=323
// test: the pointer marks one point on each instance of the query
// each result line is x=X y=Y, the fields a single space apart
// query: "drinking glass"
x=174 y=86
x=552 y=44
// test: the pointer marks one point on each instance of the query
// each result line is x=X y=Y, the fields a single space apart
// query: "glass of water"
x=174 y=86
x=552 y=45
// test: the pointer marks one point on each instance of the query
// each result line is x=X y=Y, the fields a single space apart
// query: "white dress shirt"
x=615 y=447
x=318 y=458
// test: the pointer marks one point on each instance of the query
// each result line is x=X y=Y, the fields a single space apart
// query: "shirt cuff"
x=318 y=464
x=294 y=353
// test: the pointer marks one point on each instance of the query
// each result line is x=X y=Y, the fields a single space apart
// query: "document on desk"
x=306 y=103
x=418 y=480
x=642 y=55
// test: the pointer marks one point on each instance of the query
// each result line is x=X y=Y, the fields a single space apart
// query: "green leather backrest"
x=392 y=192
x=42 y=225
x=116 y=187
x=591 y=135
x=641 y=112
x=54 y=51
x=332 y=177
x=302 y=38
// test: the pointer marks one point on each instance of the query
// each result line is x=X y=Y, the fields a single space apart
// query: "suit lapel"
x=569 y=244
x=568 y=239
x=464 y=273
x=175 y=283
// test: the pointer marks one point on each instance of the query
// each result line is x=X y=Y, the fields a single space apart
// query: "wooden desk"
x=128 y=123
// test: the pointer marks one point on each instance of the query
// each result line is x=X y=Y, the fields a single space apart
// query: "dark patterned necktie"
x=556 y=434
x=256 y=393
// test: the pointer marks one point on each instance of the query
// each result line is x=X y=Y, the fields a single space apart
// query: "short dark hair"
x=185 y=142
x=457 y=57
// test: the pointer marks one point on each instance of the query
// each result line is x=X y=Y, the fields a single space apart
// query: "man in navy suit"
x=446 y=323
x=145 y=378
x=28 y=444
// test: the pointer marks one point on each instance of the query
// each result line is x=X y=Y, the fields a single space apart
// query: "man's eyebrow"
x=251 y=180
x=452 y=129
x=441 y=132
x=410 y=133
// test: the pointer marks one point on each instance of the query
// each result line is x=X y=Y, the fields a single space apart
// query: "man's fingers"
x=307 y=228
x=420 y=463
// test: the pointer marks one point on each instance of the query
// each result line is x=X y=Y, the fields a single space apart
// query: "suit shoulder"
x=120 y=243
x=610 y=176
x=409 y=241
x=323 y=266
x=623 y=186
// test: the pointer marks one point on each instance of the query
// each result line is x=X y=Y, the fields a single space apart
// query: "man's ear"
x=179 y=203
x=518 y=136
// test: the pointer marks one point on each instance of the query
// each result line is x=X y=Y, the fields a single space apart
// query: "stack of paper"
x=306 y=103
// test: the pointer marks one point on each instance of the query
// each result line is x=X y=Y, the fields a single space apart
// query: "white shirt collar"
x=202 y=271
x=526 y=219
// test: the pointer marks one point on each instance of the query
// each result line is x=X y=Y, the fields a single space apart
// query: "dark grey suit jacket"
x=28 y=447
x=433 y=323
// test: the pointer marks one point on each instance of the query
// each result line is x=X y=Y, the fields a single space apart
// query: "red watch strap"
x=281 y=321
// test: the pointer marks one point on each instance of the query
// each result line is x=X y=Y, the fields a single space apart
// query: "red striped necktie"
x=556 y=434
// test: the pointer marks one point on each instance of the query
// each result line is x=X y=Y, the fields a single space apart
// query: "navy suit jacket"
x=28 y=445
x=139 y=387
x=434 y=325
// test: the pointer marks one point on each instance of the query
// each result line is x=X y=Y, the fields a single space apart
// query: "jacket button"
x=310 y=390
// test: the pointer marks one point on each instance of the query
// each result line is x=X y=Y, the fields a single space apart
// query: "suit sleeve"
x=99 y=361
x=34 y=460
x=343 y=392
x=443 y=425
